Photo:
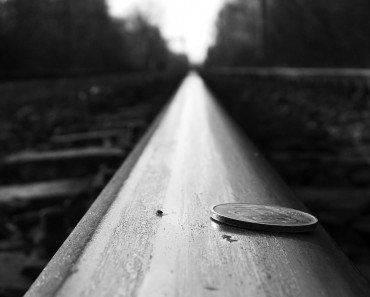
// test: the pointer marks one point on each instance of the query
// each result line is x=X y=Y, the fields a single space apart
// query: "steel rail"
x=149 y=233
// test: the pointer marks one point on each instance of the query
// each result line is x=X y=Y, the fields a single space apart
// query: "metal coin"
x=263 y=217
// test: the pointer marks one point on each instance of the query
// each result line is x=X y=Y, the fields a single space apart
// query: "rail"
x=287 y=71
x=190 y=159
x=328 y=75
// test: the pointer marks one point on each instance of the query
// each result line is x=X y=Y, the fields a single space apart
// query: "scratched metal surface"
x=194 y=159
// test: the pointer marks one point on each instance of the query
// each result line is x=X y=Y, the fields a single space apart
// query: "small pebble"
x=229 y=238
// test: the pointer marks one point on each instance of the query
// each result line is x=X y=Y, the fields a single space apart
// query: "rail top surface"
x=192 y=158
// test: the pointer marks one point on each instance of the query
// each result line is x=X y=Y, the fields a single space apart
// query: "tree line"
x=296 y=33
x=59 y=36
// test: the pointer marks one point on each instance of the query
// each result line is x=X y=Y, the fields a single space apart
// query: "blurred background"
x=81 y=81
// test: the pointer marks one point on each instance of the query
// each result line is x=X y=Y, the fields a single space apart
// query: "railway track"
x=149 y=232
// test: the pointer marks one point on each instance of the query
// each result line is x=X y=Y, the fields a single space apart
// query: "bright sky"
x=188 y=25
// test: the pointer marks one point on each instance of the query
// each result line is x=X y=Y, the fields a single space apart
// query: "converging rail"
x=192 y=158
x=327 y=73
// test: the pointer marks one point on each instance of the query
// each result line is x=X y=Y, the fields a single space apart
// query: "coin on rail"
x=263 y=217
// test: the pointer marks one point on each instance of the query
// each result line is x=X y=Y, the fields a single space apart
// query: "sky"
x=187 y=25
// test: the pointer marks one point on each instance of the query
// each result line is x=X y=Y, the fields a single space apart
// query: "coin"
x=263 y=217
